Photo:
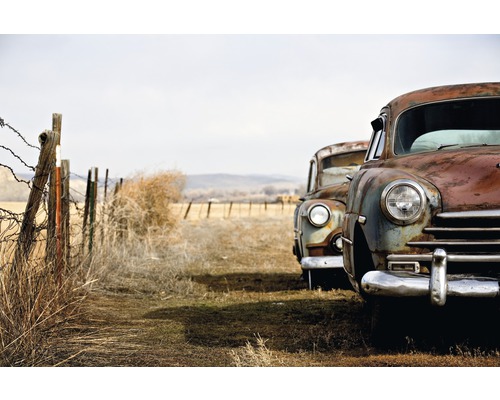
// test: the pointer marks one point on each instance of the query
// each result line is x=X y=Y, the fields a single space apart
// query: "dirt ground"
x=248 y=307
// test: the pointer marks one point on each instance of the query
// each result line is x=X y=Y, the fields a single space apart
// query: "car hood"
x=467 y=178
x=334 y=192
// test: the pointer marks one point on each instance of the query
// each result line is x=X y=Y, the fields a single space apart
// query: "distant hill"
x=228 y=181
x=199 y=187
x=240 y=187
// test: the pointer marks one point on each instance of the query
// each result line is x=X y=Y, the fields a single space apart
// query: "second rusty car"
x=318 y=217
x=423 y=212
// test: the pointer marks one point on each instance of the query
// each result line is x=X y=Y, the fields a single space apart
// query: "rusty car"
x=318 y=215
x=422 y=219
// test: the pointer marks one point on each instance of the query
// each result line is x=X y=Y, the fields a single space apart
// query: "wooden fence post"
x=188 y=208
x=48 y=143
x=66 y=213
x=208 y=211
x=58 y=217
x=92 y=207
x=230 y=208
x=51 y=207
x=86 y=209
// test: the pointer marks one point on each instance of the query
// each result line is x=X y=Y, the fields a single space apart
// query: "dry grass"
x=143 y=202
x=228 y=293
x=255 y=355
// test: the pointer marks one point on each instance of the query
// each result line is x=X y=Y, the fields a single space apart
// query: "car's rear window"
x=456 y=123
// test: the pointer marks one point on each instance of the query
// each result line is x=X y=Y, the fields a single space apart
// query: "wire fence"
x=229 y=210
x=57 y=221
x=20 y=184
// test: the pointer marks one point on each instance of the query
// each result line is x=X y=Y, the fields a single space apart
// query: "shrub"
x=143 y=202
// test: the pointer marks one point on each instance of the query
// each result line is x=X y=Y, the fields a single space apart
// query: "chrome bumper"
x=437 y=286
x=311 y=263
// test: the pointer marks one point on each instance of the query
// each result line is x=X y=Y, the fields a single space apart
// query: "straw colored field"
x=14 y=206
x=227 y=292
x=235 y=210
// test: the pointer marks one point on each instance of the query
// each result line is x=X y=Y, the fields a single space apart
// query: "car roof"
x=339 y=148
x=440 y=93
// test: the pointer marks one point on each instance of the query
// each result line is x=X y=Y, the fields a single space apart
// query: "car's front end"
x=318 y=218
x=425 y=221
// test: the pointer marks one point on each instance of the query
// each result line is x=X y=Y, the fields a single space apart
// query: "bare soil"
x=248 y=303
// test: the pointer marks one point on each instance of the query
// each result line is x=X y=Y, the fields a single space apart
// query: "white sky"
x=219 y=103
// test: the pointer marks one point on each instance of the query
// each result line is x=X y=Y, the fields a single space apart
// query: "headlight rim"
x=403 y=182
x=312 y=207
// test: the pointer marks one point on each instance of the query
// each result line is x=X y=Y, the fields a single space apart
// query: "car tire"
x=382 y=322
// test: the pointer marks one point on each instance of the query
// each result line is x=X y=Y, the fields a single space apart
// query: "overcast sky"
x=208 y=103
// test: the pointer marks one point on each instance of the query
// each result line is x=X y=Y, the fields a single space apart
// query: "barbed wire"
x=3 y=123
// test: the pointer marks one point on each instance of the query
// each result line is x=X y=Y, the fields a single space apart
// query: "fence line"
x=52 y=225
x=228 y=210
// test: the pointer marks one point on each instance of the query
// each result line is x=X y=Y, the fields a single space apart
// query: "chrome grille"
x=469 y=232
x=472 y=240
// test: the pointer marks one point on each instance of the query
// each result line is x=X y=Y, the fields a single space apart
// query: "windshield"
x=335 y=168
x=460 y=123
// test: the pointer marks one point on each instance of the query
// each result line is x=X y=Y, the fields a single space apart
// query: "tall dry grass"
x=33 y=306
x=135 y=229
x=140 y=233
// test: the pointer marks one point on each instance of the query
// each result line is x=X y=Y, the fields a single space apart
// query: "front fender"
x=364 y=212
x=315 y=241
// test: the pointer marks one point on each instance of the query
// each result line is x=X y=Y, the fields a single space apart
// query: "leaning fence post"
x=188 y=208
x=48 y=143
x=230 y=208
x=208 y=211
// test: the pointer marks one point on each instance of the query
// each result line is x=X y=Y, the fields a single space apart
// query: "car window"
x=436 y=126
x=335 y=168
x=377 y=141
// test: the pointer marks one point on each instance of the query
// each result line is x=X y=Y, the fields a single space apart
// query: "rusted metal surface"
x=327 y=186
x=460 y=182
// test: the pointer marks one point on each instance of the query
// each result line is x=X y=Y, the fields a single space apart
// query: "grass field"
x=226 y=291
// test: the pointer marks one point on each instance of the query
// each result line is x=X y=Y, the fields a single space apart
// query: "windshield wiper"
x=476 y=144
x=442 y=146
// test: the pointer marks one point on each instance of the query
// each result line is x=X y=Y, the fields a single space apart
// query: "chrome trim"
x=309 y=263
x=438 y=285
x=395 y=284
x=446 y=230
x=348 y=241
x=470 y=214
x=391 y=284
x=451 y=257
x=392 y=266
x=435 y=243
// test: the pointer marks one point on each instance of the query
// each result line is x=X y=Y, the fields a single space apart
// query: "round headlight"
x=319 y=215
x=403 y=201
x=337 y=243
